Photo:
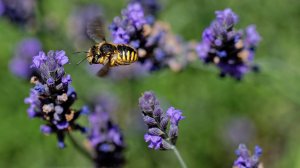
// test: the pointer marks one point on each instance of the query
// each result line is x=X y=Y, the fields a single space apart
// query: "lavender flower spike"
x=158 y=136
x=52 y=96
x=106 y=140
x=156 y=45
x=245 y=160
x=230 y=50
x=25 y=50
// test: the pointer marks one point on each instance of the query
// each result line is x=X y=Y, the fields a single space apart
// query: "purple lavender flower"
x=227 y=17
x=174 y=115
x=18 y=11
x=245 y=160
x=123 y=29
x=1 y=7
x=25 y=50
x=151 y=7
x=252 y=36
x=52 y=96
x=106 y=139
x=134 y=14
x=230 y=50
x=158 y=136
x=155 y=44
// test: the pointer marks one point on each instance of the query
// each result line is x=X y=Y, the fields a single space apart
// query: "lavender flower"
x=106 y=139
x=230 y=50
x=25 y=50
x=1 y=7
x=52 y=96
x=158 y=136
x=151 y=8
x=123 y=29
x=155 y=43
x=245 y=160
x=18 y=11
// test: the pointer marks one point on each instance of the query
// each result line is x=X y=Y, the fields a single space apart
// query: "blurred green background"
x=263 y=109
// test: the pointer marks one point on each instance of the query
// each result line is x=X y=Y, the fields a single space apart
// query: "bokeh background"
x=262 y=109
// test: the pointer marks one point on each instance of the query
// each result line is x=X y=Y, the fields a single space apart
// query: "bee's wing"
x=104 y=70
x=95 y=29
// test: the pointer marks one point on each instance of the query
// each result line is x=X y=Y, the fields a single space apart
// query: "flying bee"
x=107 y=53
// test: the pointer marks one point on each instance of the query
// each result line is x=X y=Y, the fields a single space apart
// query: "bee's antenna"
x=81 y=60
x=78 y=52
x=85 y=58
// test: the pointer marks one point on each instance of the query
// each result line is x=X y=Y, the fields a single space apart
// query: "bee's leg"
x=104 y=70
x=114 y=60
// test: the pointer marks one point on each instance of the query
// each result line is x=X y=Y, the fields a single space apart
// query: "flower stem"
x=79 y=148
x=182 y=163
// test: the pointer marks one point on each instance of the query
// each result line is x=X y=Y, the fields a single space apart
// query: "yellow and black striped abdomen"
x=126 y=55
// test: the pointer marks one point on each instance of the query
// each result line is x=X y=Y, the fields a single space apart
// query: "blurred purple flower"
x=78 y=21
x=252 y=36
x=24 y=52
x=230 y=50
x=1 y=8
x=18 y=11
x=52 y=96
x=238 y=129
x=134 y=13
x=227 y=17
x=151 y=7
x=132 y=20
x=106 y=139
x=157 y=47
x=244 y=159
x=158 y=136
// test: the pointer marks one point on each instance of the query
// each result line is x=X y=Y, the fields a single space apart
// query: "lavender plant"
x=157 y=46
x=245 y=160
x=18 y=11
x=1 y=8
x=230 y=50
x=159 y=136
x=105 y=139
x=25 y=50
x=151 y=8
x=52 y=96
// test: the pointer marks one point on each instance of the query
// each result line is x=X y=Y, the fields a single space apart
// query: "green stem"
x=182 y=163
x=79 y=148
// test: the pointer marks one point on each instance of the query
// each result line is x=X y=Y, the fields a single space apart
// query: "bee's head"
x=93 y=54
x=90 y=57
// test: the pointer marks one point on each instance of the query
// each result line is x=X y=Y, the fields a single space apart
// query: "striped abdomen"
x=125 y=55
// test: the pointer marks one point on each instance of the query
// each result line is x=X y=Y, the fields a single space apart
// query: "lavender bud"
x=173 y=132
x=155 y=131
x=157 y=112
x=166 y=145
x=158 y=136
x=149 y=121
x=244 y=159
x=164 y=123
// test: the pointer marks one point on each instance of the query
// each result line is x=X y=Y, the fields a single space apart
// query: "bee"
x=106 y=53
